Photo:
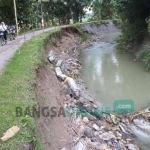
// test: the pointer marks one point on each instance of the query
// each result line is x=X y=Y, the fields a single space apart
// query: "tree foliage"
x=31 y=11
x=133 y=14
x=103 y=9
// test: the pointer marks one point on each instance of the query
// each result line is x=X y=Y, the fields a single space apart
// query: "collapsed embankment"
x=55 y=131
x=87 y=127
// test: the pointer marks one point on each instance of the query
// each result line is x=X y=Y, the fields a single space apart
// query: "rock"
x=51 y=57
x=115 y=128
x=97 y=138
x=102 y=127
x=93 y=145
x=86 y=120
x=59 y=62
x=131 y=147
x=120 y=146
x=96 y=133
x=64 y=149
x=96 y=127
x=99 y=123
x=107 y=136
x=118 y=134
x=123 y=120
x=94 y=105
x=104 y=147
x=79 y=146
x=82 y=100
x=68 y=97
x=119 y=138
x=81 y=130
x=129 y=140
x=97 y=146
x=107 y=126
x=88 y=132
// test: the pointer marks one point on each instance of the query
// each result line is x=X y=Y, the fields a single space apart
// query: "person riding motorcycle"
x=12 y=31
x=3 y=30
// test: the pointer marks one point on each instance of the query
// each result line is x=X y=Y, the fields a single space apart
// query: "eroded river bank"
x=89 y=128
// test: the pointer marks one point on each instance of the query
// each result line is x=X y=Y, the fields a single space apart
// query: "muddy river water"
x=111 y=76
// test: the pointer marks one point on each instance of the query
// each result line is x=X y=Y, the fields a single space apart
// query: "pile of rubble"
x=93 y=129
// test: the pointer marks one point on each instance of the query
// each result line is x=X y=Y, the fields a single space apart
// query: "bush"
x=145 y=57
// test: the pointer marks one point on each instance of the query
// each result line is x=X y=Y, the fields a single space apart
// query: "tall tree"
x=133 y=13
x=102 y=9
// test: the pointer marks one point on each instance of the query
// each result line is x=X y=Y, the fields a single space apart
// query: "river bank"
x=89 y=128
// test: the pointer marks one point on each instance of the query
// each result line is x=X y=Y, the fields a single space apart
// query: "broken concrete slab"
x=59 y=63
x=59 y=74
x=51 y=57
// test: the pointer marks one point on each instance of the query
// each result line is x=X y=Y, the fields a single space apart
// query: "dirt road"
x=7 y=51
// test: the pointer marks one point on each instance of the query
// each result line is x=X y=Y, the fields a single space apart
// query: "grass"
x=84 y=20
x=17 y=90
x=78 y=27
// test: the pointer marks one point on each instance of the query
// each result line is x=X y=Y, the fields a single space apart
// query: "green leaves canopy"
x=29 y=11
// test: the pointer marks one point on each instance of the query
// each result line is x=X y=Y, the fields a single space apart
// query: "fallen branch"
x=132 y=117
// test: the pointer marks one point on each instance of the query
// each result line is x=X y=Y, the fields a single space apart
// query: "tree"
x=24 y=10
x=102 y=9
x=29 y=11
x=133 y=14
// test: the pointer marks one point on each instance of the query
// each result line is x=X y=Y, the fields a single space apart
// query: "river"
x=111 y=75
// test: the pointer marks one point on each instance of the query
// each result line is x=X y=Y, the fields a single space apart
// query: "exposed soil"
x=55 y=133
x=61 y=132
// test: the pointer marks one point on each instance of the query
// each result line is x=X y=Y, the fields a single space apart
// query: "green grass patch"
x=78 y=28
x=17 y=90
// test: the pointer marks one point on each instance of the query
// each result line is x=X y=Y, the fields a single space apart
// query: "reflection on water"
x=113 y=76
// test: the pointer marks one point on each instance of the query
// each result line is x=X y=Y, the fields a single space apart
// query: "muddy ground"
x=55 y=133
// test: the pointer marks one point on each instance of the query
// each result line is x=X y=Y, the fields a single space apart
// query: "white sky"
x=88 y=11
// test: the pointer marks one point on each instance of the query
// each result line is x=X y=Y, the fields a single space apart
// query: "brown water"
x=112 y=76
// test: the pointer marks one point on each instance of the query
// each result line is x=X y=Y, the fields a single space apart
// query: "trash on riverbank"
x=10 y=133
x=92 y=127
